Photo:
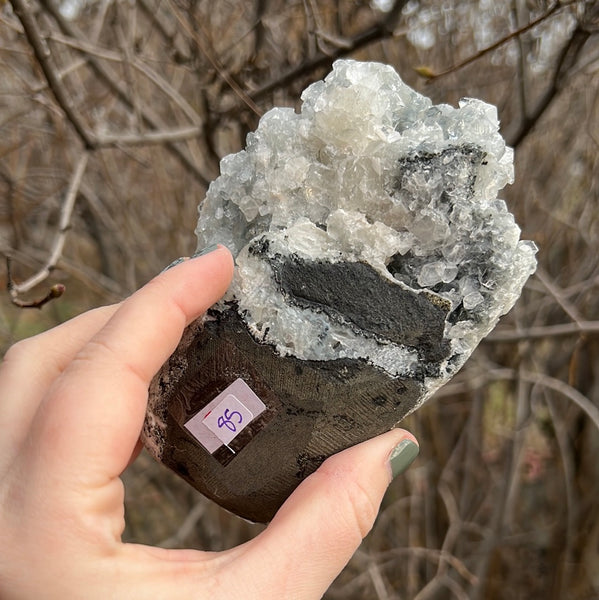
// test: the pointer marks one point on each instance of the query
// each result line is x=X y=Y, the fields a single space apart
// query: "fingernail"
x=206 y=250
x=176 y=262
x=402 y=456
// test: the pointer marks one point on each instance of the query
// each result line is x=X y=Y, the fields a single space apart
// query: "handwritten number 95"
x=227 y=420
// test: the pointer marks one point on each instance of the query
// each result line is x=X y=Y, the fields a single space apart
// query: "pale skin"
x=72 y=403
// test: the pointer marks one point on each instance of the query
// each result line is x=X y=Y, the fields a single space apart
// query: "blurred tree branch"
x=383 y=29
x=557 y=6
x=589 y=328
x=566 y=60
x=44 y=57
x=66 y=211
x=112 y=81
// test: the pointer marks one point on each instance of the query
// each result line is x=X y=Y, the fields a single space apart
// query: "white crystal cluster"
x=371 y=171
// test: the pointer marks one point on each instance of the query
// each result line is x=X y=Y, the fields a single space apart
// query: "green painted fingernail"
x=402 y=456
x=206 y=250
x=176 y=262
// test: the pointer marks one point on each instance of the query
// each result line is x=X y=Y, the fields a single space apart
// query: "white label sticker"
x=221 y=420
x=228 y=419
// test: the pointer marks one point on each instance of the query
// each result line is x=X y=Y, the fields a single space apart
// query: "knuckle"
x=20 y=351
x=101 y=351
x=356 y=505
x=362 y=509
x=95 y=350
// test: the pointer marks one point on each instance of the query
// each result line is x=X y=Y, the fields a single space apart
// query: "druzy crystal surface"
x=367 y=226
x=372 y=255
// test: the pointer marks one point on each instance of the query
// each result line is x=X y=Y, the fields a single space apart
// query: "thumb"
x=323 y=522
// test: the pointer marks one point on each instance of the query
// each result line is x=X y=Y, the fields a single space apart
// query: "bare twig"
x=415 y=479
x=186 y=528
x=488 y=544
x=222 y=72
x=53 y=78
x=149 y=137
x=316 y=26
x=90 y=278
x=455 y=526
x=558 y=295
x=123 y=36
x=55 y=291
x=504 y=40
x=100 y=19
x=66 y=211
x=566 y=60
x=562 y=388
x=259 y=28
x=516 y=450
x=169 y=32
x=521 y=71
x=113 y=82
x=44 y=58
x=432 y=555
x=568 y=464
x=310 y=27
x=588 y=328
x=132 y=63
x=433 y=587
x=383 y=29
x=473 y=443
x=378 y=582
x=541 y=379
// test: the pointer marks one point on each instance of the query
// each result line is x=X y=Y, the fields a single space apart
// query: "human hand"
x=72 y=404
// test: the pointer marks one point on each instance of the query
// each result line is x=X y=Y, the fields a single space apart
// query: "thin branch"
x=150 y=137
x=222 y=72
x=93 y=280
x=431 y=589
x=566 y=59
x=569 y=469
x=433 y=555
x=383 y=29
x=170 y=34
x=565 y=390
x=378 y=582
x=66 y=212
x=454 y=587
x=488 y=544
x=259 y=28
x=310 y=27
x=541 y=379
x=504 y=40
x=43 y=55
x=56 y=291
x=112 y=80
x=334 y=40
x=189 y=523
x=558 y=295
x=132 y=62
x=587 y=328
x=516 y=450
x=168 y=89
x=123 y=36
x=415 y=479
x=99 y=21
x=520 y=66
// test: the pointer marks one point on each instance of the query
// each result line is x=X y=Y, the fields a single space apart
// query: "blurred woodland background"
x=113 y=117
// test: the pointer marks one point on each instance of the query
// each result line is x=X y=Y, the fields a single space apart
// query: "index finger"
x=91 y=419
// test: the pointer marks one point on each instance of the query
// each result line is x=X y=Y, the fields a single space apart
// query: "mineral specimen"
x=372 y=257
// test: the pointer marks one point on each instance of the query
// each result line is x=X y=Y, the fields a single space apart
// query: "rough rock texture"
x=372 y=257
